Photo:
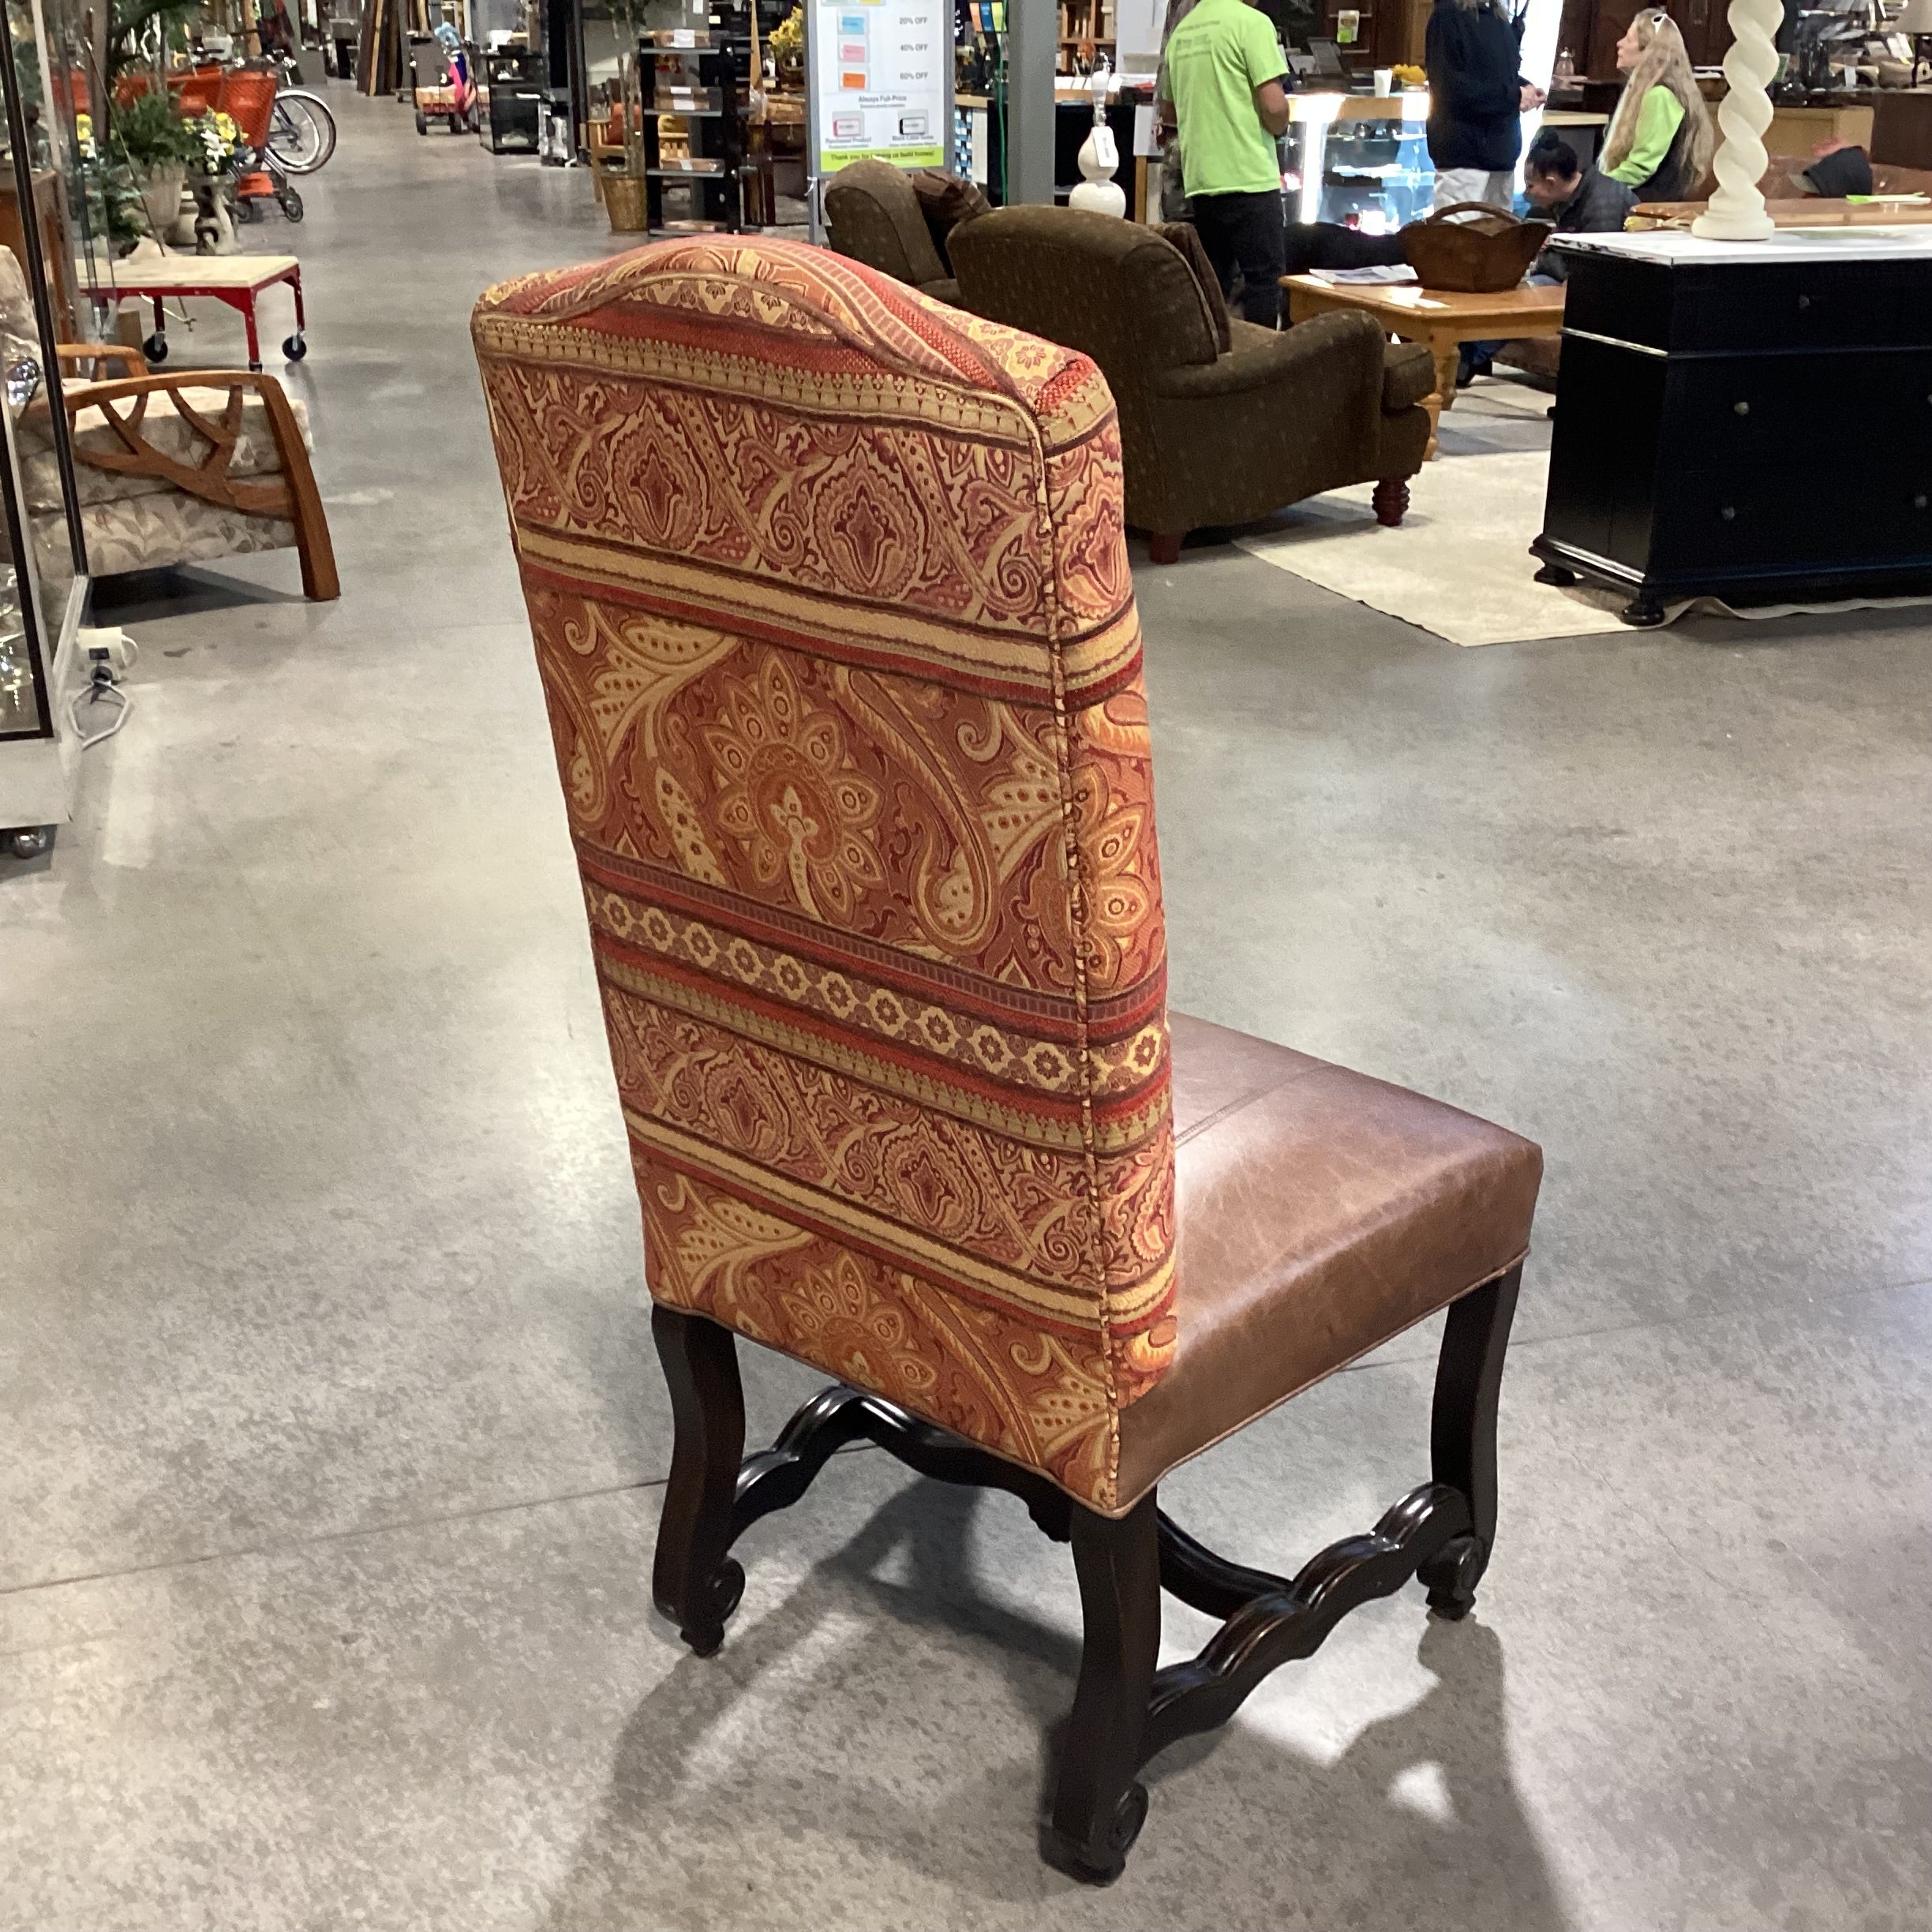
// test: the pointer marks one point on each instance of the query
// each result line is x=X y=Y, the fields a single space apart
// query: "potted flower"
x=158 y=148
x=788 y=50
x=218 y=141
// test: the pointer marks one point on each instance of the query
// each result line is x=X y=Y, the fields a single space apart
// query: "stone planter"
x=624 y=201
x=161 y=196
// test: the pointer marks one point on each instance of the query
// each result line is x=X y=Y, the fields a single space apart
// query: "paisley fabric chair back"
x=837 y=636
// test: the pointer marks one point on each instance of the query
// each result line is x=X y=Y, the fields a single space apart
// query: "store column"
x=1032 y=51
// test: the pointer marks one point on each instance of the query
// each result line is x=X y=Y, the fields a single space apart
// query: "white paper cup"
x=1385 y=81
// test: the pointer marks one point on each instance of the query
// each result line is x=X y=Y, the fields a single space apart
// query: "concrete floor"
x=331 y=1439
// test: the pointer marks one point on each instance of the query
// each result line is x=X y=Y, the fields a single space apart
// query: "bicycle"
x=302 y=131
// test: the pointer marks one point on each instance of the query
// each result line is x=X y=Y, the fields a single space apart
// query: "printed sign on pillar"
x=881 y=79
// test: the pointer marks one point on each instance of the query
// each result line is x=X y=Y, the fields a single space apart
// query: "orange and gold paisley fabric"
x=838 y=637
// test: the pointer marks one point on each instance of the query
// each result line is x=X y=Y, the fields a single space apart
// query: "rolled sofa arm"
x=1327 y=349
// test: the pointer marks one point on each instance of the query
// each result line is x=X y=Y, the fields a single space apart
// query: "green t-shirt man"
x=1216 y=58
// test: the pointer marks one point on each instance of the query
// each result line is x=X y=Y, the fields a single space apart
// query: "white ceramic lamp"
x=1737 y=212
x=1099 y=155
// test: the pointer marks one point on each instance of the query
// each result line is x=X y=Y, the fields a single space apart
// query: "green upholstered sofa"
x=1210 y=436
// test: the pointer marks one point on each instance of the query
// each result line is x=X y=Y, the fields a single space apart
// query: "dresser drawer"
x=1758 y=522
x=1823 y=304
x=1819 y=413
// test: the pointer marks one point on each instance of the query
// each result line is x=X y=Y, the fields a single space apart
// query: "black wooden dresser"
x=1751 y=420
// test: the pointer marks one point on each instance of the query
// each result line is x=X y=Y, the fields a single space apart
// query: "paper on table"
x=1385 y=273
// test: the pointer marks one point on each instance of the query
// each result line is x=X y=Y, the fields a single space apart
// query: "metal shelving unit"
x=701 y=77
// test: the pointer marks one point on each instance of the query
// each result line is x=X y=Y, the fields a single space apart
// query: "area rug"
x=1459 y=565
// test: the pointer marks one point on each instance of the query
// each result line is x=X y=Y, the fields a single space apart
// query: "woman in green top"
x=1659 y=141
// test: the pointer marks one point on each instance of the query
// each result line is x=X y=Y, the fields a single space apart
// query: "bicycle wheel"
x=302 y=131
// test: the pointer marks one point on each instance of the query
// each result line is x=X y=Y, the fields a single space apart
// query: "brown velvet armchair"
x=847 y=706
x=1210 y=437
x=872 y=215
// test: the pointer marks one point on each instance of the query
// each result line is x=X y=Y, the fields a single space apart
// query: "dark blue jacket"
x=1471 y=55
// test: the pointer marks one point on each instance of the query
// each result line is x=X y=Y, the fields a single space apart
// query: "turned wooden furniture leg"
x=694 y=1583
x=1468 y=1377
x=1162 y=548
x=1448 y=355
x=1390 y=501
x=1099 y=1807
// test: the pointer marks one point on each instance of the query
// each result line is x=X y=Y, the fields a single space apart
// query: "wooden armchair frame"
x=290 y=493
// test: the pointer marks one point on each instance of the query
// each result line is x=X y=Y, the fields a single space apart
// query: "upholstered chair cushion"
x=1186 y=237
x=19 y=337
x=945 y=201
x=1320 y=1212
x=164 y=529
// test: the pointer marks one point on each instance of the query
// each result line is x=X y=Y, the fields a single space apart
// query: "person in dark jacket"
x=1579 y=201
x=1477 y=97
x=1575 y=195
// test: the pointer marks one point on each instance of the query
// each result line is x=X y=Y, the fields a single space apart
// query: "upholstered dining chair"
x=832 y=607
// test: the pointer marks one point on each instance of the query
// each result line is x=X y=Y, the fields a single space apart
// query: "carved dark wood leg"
x=694 y=1583
x=775 y=1478
x=1164 y=546
x=1390 y=499
x=1468 y=1377
x=1098 y=1808
x=1125 y=1710
x=1644 y=612
x=1557 y=574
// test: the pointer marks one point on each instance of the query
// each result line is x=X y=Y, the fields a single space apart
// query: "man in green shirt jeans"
x=1223 y=81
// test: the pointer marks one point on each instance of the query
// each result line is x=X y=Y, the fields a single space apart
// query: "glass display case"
x=1360 y=160
x=43 y=564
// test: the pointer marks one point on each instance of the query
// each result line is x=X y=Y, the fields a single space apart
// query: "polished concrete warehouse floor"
x=331 y=1437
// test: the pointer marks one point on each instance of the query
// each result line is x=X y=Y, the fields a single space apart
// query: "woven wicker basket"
x=1473 y=248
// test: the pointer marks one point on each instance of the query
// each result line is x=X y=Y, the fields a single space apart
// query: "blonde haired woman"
x=1659 y=140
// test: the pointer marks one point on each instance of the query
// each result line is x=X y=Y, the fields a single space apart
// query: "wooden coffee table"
x=1441 y=319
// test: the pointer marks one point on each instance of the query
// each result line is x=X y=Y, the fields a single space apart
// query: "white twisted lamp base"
x=1736 y=212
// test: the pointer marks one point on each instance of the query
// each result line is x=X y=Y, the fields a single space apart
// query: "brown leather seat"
x=1320 y=1212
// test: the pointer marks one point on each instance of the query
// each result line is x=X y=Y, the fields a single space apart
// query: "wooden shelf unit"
x=1087 y=32
x=711 y=72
